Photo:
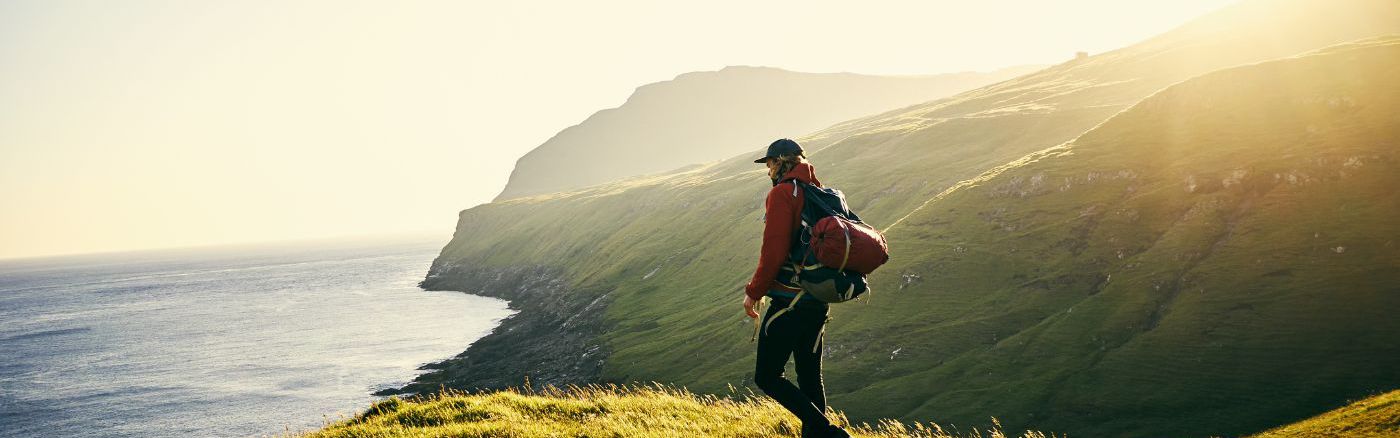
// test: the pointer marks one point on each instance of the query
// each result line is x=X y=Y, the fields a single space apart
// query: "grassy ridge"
x=1374 y=417
x=753 y=104
x=602 y=411
x=989 y=306
x=657 y=410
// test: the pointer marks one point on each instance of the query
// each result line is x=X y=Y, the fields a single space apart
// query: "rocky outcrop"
x=550 y=340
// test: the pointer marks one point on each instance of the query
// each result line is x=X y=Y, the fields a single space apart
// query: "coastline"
x=549 y=340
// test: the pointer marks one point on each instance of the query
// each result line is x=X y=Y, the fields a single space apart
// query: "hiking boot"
x=823 y=431
x=833 y=431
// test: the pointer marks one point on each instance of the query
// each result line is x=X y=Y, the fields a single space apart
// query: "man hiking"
x=796 y=333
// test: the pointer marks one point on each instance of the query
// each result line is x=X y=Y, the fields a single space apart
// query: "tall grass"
x=653 y=410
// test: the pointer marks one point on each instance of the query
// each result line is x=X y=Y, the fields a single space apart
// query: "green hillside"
x=1215 y=259
x=1148 y=278
x=1375 y=417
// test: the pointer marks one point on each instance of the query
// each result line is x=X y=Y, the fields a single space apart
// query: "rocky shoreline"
x=551 y=340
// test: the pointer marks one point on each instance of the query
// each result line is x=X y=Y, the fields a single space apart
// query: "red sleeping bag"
x=846 y=245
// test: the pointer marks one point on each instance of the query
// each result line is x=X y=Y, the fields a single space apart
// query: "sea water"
x=232 y=341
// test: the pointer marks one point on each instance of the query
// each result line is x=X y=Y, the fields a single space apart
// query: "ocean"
x=214 y=342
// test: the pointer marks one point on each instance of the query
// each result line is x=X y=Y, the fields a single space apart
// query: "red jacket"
x=783 y=215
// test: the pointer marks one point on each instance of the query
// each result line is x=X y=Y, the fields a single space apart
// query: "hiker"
x=798 y=332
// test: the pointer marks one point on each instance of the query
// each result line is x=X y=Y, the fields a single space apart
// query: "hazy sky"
x=145 y=124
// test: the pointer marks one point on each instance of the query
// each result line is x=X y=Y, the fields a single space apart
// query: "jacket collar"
x=802 y=172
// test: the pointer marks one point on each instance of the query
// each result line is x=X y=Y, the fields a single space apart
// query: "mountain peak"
x=711 y=115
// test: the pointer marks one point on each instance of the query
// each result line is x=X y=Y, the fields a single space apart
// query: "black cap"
x=782 y=146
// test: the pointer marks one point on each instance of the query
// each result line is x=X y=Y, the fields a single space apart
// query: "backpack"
x=834 y=249
x=837 y=238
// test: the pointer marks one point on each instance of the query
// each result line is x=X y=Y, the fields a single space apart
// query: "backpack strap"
x=847 y=256
x=848 y=214
x=781 y=312
x=800 y=232
x=820 y=204
x=795 y=184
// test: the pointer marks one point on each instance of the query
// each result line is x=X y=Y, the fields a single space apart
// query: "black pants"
x=793 y=334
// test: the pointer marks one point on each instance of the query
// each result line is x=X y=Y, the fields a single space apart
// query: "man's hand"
x=750 y=306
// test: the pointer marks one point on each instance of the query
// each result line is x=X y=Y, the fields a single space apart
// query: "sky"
x=128 y=125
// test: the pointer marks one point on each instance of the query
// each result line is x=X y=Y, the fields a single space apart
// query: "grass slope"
x=602 y=411
x=1218 y=258
x=988 y=306
x=1374 y=417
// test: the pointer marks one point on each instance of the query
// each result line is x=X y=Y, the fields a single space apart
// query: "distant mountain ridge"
x=700 y=117
x=1190 y=236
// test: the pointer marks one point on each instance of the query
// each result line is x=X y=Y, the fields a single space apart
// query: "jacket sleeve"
x=780 y=213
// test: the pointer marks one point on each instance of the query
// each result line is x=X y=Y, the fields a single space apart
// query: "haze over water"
x=235 y=341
